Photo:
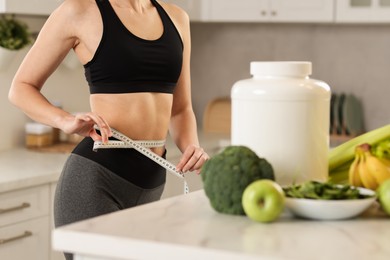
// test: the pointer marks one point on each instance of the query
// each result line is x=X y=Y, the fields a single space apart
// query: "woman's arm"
x=56 y=38
x=183 y=127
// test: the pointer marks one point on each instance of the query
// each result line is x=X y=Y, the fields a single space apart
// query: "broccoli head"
x=226 y=175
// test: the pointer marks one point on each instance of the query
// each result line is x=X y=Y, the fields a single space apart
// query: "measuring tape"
x=142 y=147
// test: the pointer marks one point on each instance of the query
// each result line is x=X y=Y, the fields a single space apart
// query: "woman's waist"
x=153 y=138
x=140 y=130
x=146 y=118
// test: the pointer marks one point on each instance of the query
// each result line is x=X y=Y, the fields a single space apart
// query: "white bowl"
x=330 y=209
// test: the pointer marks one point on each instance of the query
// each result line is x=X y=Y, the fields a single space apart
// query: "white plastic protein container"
x=283 y=115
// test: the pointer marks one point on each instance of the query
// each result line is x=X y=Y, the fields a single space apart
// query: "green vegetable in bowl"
x=226 y=175
x=323 y=191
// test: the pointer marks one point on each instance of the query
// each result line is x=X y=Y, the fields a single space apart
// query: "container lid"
x=37 y=128
x=281 y=68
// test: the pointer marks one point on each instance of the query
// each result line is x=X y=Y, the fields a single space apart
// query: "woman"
x=136 y=55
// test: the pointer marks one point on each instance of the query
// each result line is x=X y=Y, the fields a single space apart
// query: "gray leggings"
x=86 y=189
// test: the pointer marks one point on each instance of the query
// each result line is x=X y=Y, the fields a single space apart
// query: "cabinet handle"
x=274 y=13
x=22 y=206
x=7 y=240
x=263 y=12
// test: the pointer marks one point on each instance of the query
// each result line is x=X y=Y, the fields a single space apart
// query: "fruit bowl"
x=330 y=209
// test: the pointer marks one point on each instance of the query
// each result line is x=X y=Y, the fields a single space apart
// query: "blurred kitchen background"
x=347 y=41
x=353 y=57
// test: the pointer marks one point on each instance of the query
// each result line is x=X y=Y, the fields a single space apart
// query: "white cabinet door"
x=35 y=7
x=302 y=10
x=198 y=10
x=363 y=11
x=272 y=10
x=23 y=204
x=239 y=10
x=25 y=240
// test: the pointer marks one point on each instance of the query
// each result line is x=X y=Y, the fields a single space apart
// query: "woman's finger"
x=185 y=157
x=105 y=130
x=198 y=166
x=94 y=135
x=192 y=159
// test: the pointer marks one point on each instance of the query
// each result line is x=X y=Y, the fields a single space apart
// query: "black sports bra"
x=125 y=63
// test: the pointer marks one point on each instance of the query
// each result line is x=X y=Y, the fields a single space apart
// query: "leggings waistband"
x=129 y=143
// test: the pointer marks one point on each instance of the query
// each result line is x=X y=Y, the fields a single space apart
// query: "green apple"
x=383 y=194
x=263 y=200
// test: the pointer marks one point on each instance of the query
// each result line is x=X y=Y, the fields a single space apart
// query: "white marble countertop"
x=186 y=227
x=22 y=168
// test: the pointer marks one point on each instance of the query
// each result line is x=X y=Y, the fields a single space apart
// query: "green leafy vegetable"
x=323 y=191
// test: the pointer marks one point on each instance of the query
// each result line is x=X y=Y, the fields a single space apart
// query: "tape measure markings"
x=140 y=146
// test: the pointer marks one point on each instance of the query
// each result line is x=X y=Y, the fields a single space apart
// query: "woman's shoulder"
x=76 y=8
x=175 y=12
x=78 y=4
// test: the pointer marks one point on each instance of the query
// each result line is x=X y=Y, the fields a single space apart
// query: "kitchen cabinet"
x=243 y=10
x=24 y=223
x=272 y=10
x=198 y=10
x=31 y=238
x=33 y=7
x=363 y=11
x=27 y=184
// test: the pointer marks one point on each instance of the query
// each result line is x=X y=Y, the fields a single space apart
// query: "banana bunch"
x=368 y=170
x=341 y=157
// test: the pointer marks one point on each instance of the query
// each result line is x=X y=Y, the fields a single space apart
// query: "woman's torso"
x=139 y=115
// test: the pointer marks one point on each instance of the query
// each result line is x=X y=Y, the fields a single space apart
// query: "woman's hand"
x=83 y=124
x=193 y=159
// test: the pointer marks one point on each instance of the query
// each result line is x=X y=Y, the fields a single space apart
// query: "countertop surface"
x=21 y=168
x=186 y=227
